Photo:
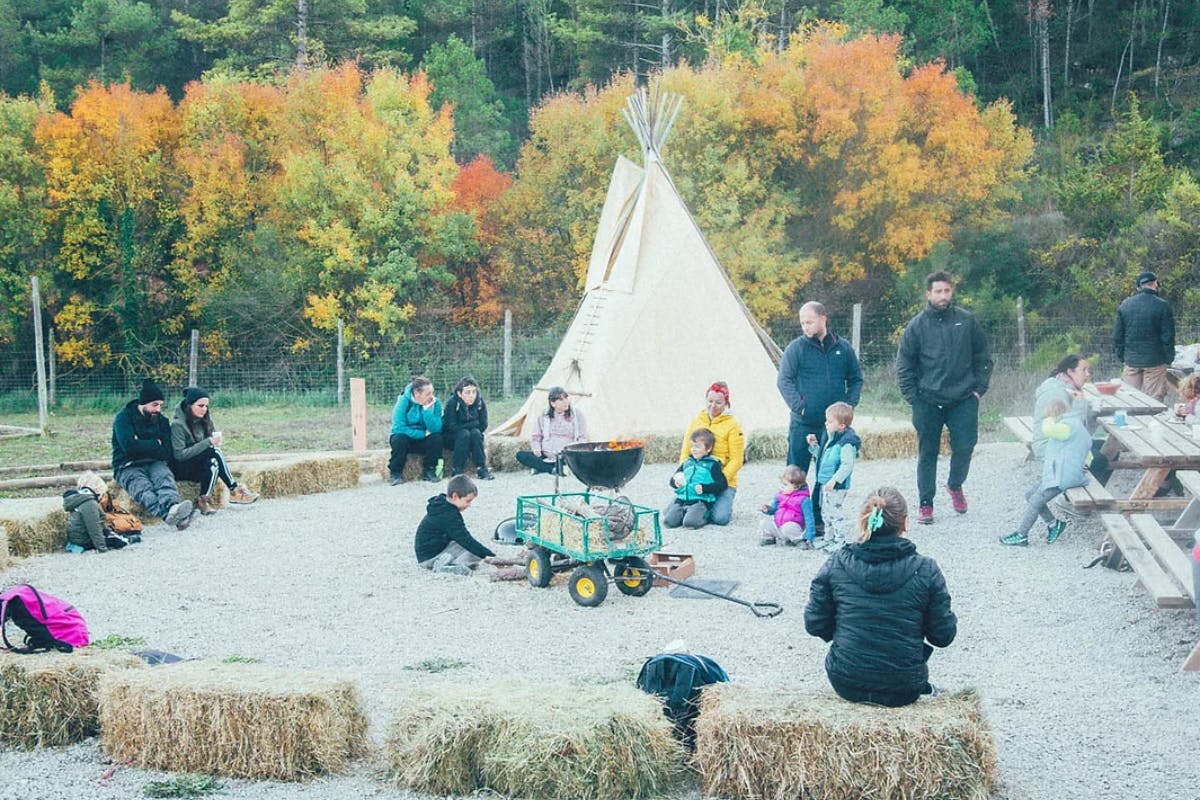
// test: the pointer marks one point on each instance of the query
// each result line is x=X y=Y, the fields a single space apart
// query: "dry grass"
x=34 y=525
x=5 y=559
x=771 y=745
x=49 y=699
x=539 y=742
x=236 y=719
x=302 y=475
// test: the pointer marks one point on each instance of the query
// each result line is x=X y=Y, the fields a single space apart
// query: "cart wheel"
x=588 y=585
x=634 y=577
x=538 y=569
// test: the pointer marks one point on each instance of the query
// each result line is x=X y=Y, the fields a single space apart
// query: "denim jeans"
x=721 y=510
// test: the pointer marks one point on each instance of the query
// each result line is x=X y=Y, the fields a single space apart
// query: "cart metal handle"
x=763 y=610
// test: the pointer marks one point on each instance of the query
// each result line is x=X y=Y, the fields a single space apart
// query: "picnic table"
x=1134 y=401
x=1156 y=446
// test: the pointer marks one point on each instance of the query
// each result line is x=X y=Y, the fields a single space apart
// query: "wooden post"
x=856 y=330
x=1021 y=330
x=341 y=365
x=358 y=414
x=39 y=349
x=53 y=369
x=194 y=359
x=508 y=352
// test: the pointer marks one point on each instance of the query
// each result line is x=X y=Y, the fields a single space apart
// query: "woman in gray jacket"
x=194 y=445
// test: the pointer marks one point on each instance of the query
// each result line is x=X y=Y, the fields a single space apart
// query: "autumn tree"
x=476 y=290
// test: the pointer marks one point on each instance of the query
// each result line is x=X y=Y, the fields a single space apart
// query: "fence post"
x=341 y=365
x=856 y=331
x=53 y=369
x=1020 y=330
x=194 y=359
x=508 y=352
x=39 y=349
x=358 y=414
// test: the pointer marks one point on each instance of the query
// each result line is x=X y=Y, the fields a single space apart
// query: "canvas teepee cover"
x=659 y=320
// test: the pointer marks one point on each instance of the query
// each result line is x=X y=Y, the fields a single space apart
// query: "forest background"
x=258 y=170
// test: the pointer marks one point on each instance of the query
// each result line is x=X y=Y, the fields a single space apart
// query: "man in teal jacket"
x=416 y=428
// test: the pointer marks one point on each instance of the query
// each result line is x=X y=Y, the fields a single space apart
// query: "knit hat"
x=150 y=392
x=91 y=480
x=1146 y=277
x=192 y=394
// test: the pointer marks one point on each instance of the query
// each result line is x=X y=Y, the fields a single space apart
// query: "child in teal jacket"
x=835 y=459
x=697 y=483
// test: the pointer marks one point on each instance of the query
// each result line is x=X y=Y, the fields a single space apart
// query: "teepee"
x=660 y=319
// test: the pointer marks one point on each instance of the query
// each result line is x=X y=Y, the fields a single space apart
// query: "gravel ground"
x=1079 y=672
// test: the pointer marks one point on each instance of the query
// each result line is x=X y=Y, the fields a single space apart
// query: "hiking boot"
x=957 y=499
x=206 y=504
x=1015 y=539
x=485 y=474
x=187 y=519
x=804 y=544
x=177 y=512
x=242 y=496
x=925 y=515
x=1054 y=530
x=430 y=476
x=395 y=479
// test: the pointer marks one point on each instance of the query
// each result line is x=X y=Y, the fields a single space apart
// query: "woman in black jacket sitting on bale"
x=463 y=423
x=883 y=606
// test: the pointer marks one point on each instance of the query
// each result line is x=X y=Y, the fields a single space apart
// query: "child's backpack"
x=48 y=623
x=117 y=518
x=676 y=679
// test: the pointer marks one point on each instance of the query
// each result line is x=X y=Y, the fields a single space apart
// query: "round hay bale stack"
x=764 y=743
x=540 y=742
x=310 y=474
x=240 y=720
x=49 y=699
x=34 y=525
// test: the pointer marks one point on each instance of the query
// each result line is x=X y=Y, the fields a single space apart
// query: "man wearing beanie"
x=1144 y=338
x=141 y=443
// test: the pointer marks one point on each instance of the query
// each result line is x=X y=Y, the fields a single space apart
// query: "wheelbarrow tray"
x=543 y=519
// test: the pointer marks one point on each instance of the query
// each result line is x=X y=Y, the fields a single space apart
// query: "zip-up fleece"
x=815 y=374
x=943 y=357
x=705 y=471
x=730 y=447
x=138 y=438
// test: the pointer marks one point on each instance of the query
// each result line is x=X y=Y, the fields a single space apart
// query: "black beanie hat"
x=192 y=394
x=150 y=392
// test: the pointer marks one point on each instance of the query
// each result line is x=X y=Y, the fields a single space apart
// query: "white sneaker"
x=180 y=512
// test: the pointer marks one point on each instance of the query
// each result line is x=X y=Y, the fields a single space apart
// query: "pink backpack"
x=48 y=623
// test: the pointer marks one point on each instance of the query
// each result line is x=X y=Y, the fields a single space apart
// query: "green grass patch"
x=183 y=786
x=117 y=642
x=239 y=660
x=435 y=665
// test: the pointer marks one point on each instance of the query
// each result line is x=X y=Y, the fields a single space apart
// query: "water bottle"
x=1120 y=418
x=441 y=468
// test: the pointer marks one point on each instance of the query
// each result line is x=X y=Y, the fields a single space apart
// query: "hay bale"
x=502 y=452
x=241 y=720
x=768 y=744
x=34 y=525
x=5 y=559
x=586 y=742
x=309 y=474
x=767 y=445
x=190 y=490
x=49 y=699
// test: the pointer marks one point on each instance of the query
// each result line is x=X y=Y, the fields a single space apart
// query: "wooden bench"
x=1022 y=428
x=1188 y=523
x=1092 y=497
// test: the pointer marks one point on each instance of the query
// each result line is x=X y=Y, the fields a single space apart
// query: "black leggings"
x=205 y=469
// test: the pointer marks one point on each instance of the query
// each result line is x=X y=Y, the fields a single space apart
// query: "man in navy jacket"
x=1144 y=338
x=818 y=369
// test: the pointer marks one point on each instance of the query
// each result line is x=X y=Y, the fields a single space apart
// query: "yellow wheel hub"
x=535 y=569
x=585 y=588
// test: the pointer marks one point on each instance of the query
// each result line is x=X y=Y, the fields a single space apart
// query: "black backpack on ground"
x=1110 y=557
x=676 y=679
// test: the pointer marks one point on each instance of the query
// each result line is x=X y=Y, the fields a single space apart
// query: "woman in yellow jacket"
x=729 y=448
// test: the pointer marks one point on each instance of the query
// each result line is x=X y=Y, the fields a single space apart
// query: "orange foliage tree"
x=476 y=293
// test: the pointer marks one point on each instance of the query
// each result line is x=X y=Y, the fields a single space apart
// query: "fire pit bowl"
x=598 y=464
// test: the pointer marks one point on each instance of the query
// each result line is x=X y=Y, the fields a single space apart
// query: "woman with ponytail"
x=883 y=606
x=729 y=446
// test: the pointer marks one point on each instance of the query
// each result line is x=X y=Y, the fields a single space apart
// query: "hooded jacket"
x=1068 y=449
x=443 y=524
x=413 y=420
x=878 y=602
x=187 y=442
x=1144 y=333
x=730 y=445
x=943 y=357
x=138 y=438
x=836 y=456
x=814 y=375
x=85 y=523
x=459 y=416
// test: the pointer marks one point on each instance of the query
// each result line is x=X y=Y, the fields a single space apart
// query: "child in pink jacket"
x=790 y=515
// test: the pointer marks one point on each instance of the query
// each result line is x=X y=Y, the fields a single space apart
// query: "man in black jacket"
x=818 y=369
x=1144 y=338
x=141 y=445
x=943 y=367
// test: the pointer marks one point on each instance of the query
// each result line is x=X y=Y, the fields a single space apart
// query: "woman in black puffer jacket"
x=882 y=605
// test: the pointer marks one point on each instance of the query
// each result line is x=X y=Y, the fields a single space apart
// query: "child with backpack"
x=1064 y=466
x=86 y=525
x=697 y=483
x=790 y=515
x=443 y=543
x=835 y=458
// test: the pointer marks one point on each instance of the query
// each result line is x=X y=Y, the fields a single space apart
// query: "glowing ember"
x=623 y=444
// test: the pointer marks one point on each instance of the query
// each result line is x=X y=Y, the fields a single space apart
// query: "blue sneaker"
x=1054 y=530
x=1015 y=539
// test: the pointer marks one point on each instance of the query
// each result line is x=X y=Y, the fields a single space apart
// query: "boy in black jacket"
x=443 y=543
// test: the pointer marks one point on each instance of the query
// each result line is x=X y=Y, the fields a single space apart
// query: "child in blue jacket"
x=697 y=483
x=416 y=428
x=835 y=459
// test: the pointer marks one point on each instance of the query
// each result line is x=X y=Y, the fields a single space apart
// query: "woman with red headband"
x=729 y=447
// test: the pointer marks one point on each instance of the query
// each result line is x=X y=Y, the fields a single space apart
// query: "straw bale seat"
x=241 y=720
x=769 y=744
x=32 y=525
x=312 y=473
x=49 y=699
x=607 y=742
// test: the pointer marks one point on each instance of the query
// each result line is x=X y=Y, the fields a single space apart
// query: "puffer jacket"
x=730 y=447
x=1069 y=445
x=943 y=357
x=814 y=375
x=878 y=602
x=85 y=523
x=187 y=441
x=459 y=416
x=705 y=472
x=1144 y=333
x=138 y=438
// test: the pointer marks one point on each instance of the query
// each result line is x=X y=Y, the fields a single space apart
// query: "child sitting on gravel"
x=790 y=515
x=86 y=528
x=443 y=543
x=835 y=462
x=697 y=483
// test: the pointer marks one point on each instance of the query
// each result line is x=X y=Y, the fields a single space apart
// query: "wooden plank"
x=1150 y=483
x=1157 y=582
x=1092 y=496
x=1190 y=480
x=1170 y=555
x=1192 y=662
x=1021 y=427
